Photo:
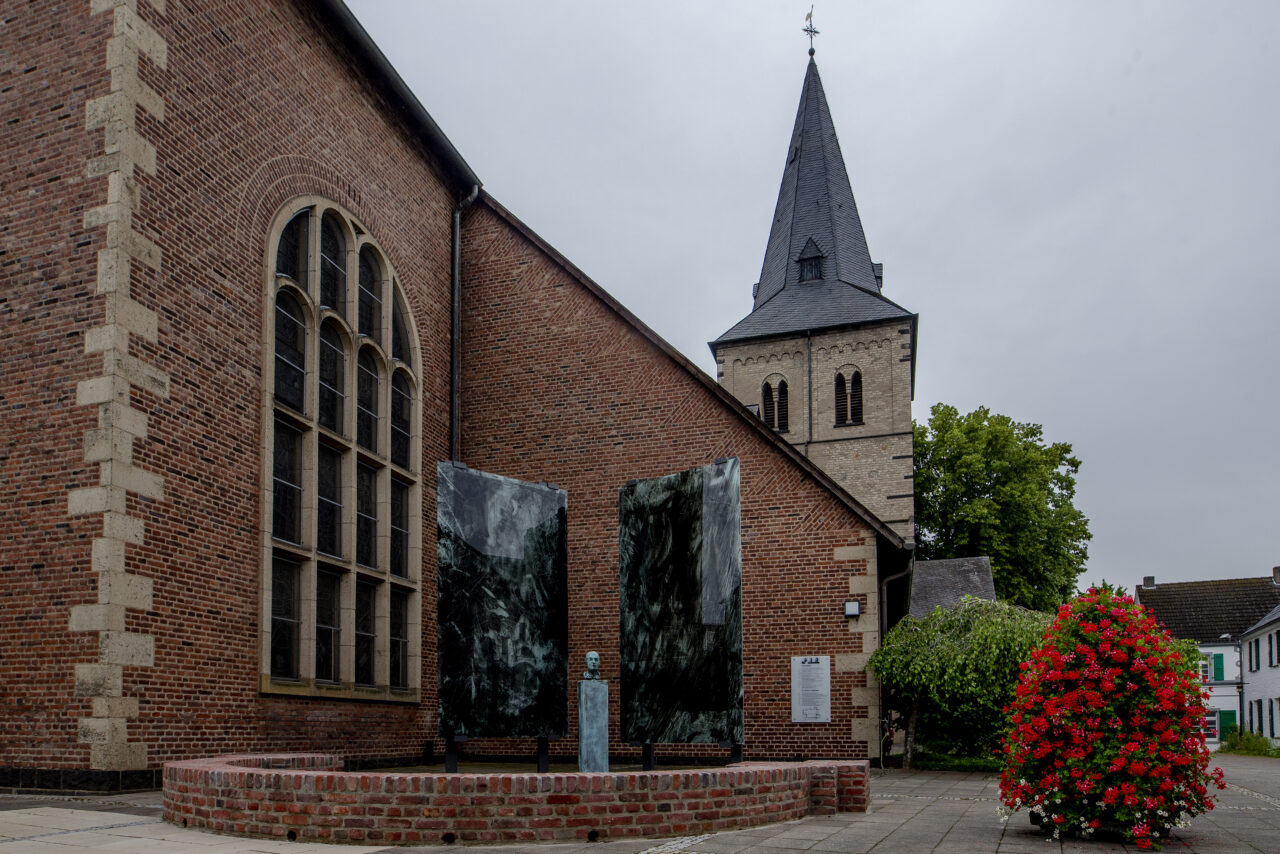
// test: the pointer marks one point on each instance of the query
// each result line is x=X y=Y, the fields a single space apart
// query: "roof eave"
x=388 y=81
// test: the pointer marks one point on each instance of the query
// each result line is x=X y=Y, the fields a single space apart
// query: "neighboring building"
x=942 y=583
x=232 y=362
x=1261 y=645
x=824 y=357
x=1216 y=615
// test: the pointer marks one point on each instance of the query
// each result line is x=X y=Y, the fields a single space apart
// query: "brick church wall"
x=560 y=386
x=258 y=107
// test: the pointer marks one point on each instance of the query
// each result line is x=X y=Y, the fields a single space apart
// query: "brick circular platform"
x=309 y=797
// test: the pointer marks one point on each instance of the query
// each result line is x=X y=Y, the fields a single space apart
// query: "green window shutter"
x=1227 y=720
x=1217 y=667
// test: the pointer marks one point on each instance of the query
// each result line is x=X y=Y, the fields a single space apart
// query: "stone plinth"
x=593 y=726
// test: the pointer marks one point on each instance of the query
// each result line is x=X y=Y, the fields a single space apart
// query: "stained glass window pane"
x=332 y=370
x=399 y=639
x=366 y=516
x=284 y=618
x=329 y=501
x=370 y=297
x=367 y=402
x=287 y=484
x=333 y=265
x=401 y=418
x=399 y=528
x=291 y=349
x=328 y=610
x=291 y=251
x=366 y=639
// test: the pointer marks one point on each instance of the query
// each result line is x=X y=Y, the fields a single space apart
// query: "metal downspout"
x=808 y=437
x=455 y=331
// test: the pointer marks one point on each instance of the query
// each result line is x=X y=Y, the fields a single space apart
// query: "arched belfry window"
x=342 y=481
x=773 y=403
x=848 y=394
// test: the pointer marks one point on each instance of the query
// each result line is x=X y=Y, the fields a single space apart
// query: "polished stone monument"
x=680 y=574
x=593 y=718
x=503 y=606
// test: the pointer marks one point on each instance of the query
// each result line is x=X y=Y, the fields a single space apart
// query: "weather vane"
x=809 y=30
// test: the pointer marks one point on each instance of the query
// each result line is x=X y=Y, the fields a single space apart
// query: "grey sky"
x=1079 y=199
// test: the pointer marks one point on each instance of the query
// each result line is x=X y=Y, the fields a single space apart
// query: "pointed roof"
x=815 y=210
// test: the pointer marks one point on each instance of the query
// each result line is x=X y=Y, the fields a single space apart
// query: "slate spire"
x=815 y=205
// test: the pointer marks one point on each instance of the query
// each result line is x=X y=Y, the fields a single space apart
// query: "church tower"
x=824 y=357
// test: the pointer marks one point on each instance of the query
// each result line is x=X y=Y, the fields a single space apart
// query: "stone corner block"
x=118 y=756
x=99 y=680
x=126 y=649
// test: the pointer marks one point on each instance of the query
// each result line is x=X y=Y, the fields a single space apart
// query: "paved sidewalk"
x=911 y=812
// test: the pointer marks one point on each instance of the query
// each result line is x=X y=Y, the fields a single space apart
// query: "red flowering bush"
x=1104 y=730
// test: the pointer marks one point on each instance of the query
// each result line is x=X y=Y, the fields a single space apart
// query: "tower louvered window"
x=848 y=394
x=342 y=515
x=782 y=407
x=766 y=405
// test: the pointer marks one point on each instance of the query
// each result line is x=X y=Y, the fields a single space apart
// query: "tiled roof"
x=1272 y=616
x=1204 y=611
x=812 y=306
x=945 y=582
x=815 y=215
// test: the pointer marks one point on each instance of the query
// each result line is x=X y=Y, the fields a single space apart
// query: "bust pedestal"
x=593 y=725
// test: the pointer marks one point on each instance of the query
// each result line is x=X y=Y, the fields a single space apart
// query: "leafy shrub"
x=1247 y=744
x=951 y=672
x=1105 y=727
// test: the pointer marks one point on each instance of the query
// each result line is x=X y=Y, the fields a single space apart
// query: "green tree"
x=988 y=485
x=959 y=666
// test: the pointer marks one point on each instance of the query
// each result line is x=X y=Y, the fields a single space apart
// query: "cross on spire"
x=809 y=29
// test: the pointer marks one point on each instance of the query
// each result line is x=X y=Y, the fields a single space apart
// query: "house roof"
x=943 y=583
x=815 y=211
x=1204 y=611
x=726 y=399
x=1272 y=616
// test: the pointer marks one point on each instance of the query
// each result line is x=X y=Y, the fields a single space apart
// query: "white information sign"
x=811 y=689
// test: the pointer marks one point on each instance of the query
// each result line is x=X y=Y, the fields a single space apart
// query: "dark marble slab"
x=503 y=606
x=680 y=585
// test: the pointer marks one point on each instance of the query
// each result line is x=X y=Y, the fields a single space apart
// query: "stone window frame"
x=395 y=309
x=850 y=406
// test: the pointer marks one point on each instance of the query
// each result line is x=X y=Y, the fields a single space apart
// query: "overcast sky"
x=1080 y=199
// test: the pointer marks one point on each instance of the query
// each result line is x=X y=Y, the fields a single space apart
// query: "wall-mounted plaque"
x=811 y=689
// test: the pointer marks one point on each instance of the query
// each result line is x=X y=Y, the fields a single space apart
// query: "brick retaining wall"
x=309 y=797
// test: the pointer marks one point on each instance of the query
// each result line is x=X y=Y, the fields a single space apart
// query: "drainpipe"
x=808 y=344
x=455 y=337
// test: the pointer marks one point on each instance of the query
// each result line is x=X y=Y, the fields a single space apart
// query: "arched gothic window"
x=767 y=405
x=342 y=519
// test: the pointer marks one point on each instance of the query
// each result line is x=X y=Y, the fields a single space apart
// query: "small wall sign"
x=811 y=689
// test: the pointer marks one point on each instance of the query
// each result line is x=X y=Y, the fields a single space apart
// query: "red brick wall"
x=53 y=61
x=557 y=386
x=259 y=107
x=306 y=798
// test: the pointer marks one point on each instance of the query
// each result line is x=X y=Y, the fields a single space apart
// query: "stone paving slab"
x=911 y=812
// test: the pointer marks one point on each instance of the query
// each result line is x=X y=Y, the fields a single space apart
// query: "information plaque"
x=811 y=689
